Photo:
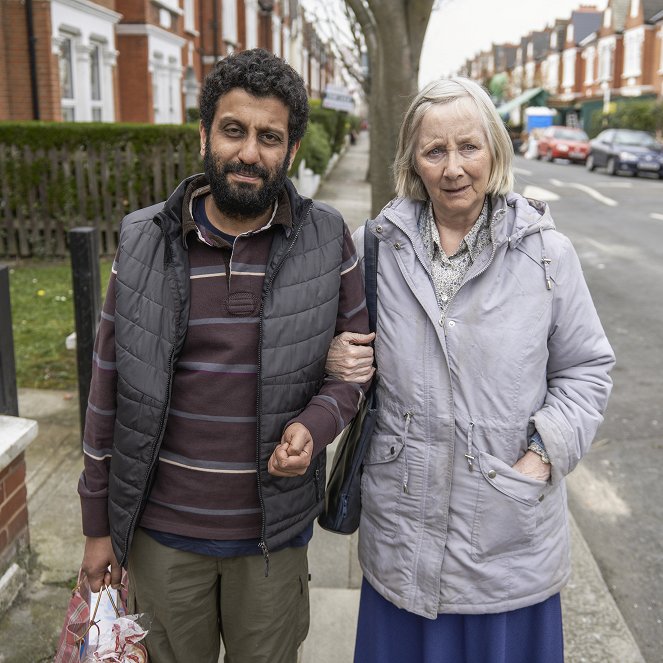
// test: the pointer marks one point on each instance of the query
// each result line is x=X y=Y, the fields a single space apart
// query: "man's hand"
x=350 y=357
x=531 y=465
x=292 y=456
x=98 y=556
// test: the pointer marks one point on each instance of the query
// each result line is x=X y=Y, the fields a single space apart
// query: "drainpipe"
x=32 y=40
x=215 y=33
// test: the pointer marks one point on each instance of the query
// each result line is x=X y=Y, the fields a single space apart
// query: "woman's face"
x=453 y=159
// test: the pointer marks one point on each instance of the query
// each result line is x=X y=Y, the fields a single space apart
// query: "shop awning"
x=521 y=99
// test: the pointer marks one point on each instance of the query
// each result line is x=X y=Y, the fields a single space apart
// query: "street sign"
x=338 y=98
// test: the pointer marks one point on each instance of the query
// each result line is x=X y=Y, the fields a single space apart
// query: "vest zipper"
x=263 y=526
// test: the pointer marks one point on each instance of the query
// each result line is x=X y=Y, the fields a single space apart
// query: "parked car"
x=563 y=143
x=626 y=150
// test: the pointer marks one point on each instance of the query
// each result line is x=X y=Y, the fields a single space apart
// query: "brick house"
x=640 y=75
x=139 y=60
x=57 y=60
x=584 y=23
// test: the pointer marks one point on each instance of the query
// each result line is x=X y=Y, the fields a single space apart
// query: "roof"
x=510 y=55
x=584 y=23
x=541 y=44
x=651 y=8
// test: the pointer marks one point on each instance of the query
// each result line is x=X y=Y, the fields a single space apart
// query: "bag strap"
x=371 y=245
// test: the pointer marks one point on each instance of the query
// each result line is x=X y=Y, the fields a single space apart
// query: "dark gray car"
x=626 y=150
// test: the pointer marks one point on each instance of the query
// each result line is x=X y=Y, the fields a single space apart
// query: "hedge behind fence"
x=56 y=176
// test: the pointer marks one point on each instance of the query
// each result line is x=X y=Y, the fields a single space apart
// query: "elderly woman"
x=493 y=377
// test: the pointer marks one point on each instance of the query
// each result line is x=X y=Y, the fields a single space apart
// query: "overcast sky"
x=461 y=28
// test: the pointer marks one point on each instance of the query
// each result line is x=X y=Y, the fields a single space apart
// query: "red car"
x=563 y=143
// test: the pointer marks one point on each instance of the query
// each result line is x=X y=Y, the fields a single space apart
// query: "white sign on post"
x=338 y=98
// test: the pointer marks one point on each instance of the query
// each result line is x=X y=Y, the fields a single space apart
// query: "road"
x=616 y=494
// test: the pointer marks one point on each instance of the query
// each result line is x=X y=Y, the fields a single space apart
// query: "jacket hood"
x=513 y=216
x=522 y=217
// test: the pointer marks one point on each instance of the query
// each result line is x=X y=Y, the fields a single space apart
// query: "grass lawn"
x=42 y=317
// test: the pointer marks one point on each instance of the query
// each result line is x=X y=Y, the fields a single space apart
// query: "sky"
x=461 y=28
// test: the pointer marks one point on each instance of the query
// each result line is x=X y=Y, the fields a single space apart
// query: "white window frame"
x=633 y=44
x=68 y=103
x=589 y=56
x=530 y=71
x=569 y=68
x=190 y=17
x=229 y=19
x=553 y=72
x=276 y=35
x=606 y=48
x=251 y=22
x=90 y=28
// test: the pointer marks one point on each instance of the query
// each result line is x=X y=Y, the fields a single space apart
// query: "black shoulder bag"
x=343 y=496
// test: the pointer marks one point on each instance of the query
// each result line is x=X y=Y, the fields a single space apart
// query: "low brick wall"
x=14 y=536
x=15 y=435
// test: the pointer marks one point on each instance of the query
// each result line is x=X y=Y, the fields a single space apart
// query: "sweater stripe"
x=205 y=512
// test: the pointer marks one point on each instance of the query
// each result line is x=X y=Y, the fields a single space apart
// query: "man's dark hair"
x=261 y=74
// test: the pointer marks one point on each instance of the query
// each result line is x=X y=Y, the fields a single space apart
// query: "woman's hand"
x=531 y=465
x=350 y=357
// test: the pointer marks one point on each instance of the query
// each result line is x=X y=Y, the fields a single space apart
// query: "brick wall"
x=15 y=88
x=135 y=81
x=13 y=510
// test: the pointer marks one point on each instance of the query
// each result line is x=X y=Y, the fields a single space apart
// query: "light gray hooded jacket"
x=447 y=525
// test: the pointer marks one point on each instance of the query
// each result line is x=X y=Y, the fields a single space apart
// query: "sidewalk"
x=594 y=629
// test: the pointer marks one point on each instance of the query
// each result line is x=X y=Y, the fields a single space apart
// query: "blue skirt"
x=387 y=634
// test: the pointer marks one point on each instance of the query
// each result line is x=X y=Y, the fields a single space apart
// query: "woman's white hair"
x=445 y=91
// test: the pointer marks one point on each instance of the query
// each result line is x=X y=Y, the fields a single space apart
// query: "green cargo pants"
x=193 y=600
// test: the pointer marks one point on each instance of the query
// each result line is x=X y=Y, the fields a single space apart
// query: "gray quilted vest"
x=298 y=316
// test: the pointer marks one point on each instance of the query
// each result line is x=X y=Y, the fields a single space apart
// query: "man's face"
x=245 y=154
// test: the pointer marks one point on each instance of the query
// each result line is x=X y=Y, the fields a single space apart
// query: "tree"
x=393 y=32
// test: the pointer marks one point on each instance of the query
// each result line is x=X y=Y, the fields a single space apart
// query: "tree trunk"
x=394 y=31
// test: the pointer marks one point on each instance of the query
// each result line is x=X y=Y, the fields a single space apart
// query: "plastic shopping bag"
x=105 y=633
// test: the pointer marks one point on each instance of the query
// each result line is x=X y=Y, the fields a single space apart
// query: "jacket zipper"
x=263 y=526
x=162 y=422
x=408 y=417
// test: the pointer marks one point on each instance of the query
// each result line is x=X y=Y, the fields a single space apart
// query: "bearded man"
x=209 y=408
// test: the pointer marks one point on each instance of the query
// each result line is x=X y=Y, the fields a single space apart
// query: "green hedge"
x=46 y=135
x=326 y=134
x=315 y=150
x=644 y=115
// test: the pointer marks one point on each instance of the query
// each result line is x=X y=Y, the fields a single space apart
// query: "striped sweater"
x=206 y=484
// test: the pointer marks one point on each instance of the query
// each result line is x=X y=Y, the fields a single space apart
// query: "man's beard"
x=241 y=200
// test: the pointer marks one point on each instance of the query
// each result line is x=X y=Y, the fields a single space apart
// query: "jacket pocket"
x=382 y=483
x=506 y=509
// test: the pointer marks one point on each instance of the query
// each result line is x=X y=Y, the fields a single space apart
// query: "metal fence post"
x=84 y=249
x=8 y=392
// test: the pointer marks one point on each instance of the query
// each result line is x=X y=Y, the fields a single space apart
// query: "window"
x=66 y=69
x=569 y=68
x=229 y=18
x=633 y=52
x=589 y=56
x=189 y=16
x=95 y=73
x=605 y=61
